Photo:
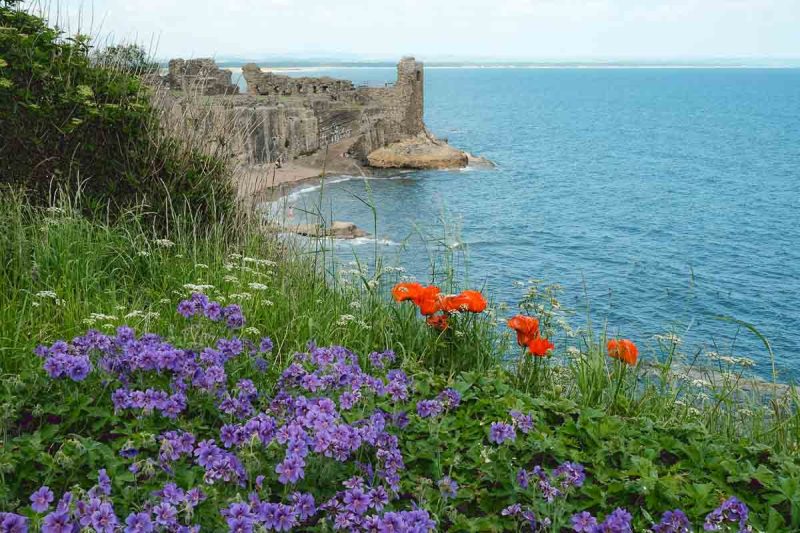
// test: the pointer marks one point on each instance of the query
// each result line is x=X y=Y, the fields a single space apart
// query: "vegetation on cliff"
x=78 y=121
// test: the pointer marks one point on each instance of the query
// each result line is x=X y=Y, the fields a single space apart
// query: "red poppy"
x=527 y=328
x=406 y=291
x=438 y=322
x=624 y=350
x=428 y=300
x=471 y=301
x=540 y=346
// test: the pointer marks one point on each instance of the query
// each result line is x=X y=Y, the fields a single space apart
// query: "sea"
x=662 y=200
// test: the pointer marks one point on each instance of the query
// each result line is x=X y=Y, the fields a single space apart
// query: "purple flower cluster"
x=673 y=522
x=619 y=521
x=199 y=304
x=732 y=511
x=522 y=421
x=501 y=432
x=70 y=360
x=564 y=477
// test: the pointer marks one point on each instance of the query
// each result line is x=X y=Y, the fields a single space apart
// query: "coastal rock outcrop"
x=337 y=230
x=420 y=152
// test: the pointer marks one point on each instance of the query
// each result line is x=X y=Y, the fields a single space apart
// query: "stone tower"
x=410 y=90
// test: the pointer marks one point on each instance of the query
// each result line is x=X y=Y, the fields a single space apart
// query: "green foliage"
x=70 y=124
x=128 y=58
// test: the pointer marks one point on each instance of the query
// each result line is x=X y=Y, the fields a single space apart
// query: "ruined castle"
x=288 y=118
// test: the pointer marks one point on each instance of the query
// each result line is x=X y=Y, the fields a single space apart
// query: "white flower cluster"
x=164 y=243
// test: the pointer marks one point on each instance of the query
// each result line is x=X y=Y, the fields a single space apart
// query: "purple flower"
x=290 y=470
x=187 y=308
x=673 y=522
x=166 y=514
x=103 y=481
x=103 y=519
x=619 y=521
x=522 y=478
x=732 y=510
x=429 y=408
x=233 y=316
x=512 y=510
x=57 y=522
x=522 y=421
x=571 y=474
x=266 y=345
x=501 y=432
x=13 y=523
x=450 y=398
x=41 y=499
x=138 y=523
x=356 y=501
x=447 y=487
x=303 y=505
x=583 y=523
x=213 y=311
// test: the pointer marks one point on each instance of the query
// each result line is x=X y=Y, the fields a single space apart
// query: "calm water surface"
x=673 y=194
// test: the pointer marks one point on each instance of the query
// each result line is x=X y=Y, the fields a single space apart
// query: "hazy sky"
x=431 y=29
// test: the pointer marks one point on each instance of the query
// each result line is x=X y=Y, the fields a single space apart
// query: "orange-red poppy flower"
x=540 y=346
x=527 y=328
x=428 y=300
x=438 y=322
x=471 y=301
x=406 y=291
x=624 y=350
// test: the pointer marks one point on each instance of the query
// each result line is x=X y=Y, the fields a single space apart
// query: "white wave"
x=359 y=241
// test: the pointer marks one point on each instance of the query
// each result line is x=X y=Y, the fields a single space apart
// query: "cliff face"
x=285 y=118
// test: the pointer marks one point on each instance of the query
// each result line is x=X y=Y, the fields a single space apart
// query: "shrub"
x=71 y=123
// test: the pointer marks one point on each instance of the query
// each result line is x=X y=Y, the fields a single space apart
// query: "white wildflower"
x=35 y=303
x=241 y=296
x=268 y=303
x=235 y=256
x=55 y=210
x=363 y=325
x=164 y=301
x=47 y=294
x=202 y=266
x=192 y=287
x=344 y=319
x=228 y=266
x=572 y=351
x=164 y=243
x=150 y=315
x=460 y=334
x=372 y=284
x=259 y=262
x=252 y=330
x=257 y=286
x=109 y=326
x=101 y=316
x=355 y=305
x=143 y=253
x=89 y=321
x=134 y=314
x=230 y=278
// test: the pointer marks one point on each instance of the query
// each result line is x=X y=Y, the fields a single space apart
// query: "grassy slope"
x=646 y=445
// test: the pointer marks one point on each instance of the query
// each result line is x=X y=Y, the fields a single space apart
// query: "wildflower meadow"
x=190 y=381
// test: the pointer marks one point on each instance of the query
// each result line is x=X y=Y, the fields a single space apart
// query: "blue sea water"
x=671 y=195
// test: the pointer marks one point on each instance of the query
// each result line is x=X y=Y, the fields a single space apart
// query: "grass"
x=660 y=426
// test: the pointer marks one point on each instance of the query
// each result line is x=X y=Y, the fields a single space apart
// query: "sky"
x=447 y=29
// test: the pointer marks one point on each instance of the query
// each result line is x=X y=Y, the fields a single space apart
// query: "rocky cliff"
x=289 y=119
